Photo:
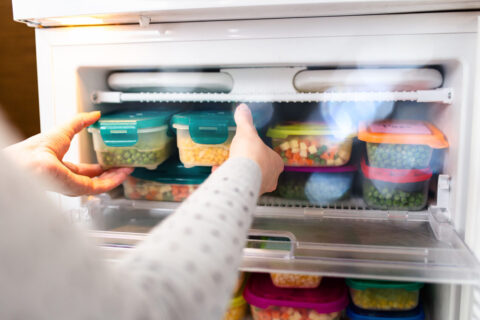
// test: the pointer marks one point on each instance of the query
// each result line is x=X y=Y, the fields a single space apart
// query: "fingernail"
x=96 y=113
x=242 y=106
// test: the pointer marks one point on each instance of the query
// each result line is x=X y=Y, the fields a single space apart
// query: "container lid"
x=286 y=129
x=403 y=132
x=395 y=175
x=173 y=172
x=361 y=284
x=212 y=126
x=355 y=313
x=349 y=168
x=330 y=296
x=120 y=129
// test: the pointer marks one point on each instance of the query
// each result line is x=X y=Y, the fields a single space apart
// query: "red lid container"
x=330 y=296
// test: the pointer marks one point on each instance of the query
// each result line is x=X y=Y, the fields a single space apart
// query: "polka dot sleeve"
x=190 y=261
x=186 y=268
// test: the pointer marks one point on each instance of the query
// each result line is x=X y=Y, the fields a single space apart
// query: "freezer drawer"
x=341 y=241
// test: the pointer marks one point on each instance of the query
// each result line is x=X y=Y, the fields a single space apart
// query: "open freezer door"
x=48 y=13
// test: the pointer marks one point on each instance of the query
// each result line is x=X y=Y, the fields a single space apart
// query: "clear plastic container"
x=237 y=309
x=384 y=295
x=355 y=313
x=269 y=302
x=395 y=189
x=171 y=181
x=401 y=144
x=311 y=144
x=132 y=139
x=204 y=137
x=291 y=280
x=316 y=184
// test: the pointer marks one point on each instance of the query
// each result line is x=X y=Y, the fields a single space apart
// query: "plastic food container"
x=319 y=185
x=291 y=280
x=395 y=189
x=269 y=302
x=171 y=181
x=132 y=139
x=354 y=313
x=204 y=137
x=401 y=144
x=237 y=309
x=311 y=144
x=384 y=295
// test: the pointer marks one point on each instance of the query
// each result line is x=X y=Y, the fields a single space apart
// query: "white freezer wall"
x=58 y=12
x=74 y=61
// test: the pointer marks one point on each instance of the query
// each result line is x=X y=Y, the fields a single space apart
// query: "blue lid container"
x=355 y=313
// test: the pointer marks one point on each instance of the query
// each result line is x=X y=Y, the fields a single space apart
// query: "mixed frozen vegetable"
x=288 y=313
x=313 y=151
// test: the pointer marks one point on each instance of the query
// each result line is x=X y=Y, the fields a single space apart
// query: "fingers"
x=79 y=122
x=243 y=118
x=82 y=185
x=85 y=169
x=109 y=180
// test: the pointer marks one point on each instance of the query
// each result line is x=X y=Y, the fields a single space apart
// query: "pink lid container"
x=330 y=296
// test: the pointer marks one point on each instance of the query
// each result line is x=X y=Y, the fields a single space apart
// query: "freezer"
x=386 y=91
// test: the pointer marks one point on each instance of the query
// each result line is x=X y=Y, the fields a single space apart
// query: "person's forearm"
x=190 y=261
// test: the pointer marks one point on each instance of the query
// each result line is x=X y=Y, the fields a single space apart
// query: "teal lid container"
x=122 y=129
x=360 y=284
x=213 y=126
x=173 y=172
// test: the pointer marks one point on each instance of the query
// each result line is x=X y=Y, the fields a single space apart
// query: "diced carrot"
x=151 y=195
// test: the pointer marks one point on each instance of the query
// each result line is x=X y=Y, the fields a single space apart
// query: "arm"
x=185 y=270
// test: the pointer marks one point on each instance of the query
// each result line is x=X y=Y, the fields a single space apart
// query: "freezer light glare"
x=69 y=21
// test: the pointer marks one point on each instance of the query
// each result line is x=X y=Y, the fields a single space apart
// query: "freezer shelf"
x=443 y=95
x=349 y=242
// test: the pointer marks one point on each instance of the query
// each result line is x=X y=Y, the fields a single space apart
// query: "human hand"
x=246 y=143
x=44 y=152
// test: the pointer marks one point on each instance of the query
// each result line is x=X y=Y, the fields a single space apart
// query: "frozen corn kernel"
x=294 y=144
x=289 y=280
x=195 y=154
x=303 y=153
x=303 y=146
x=312 y=149
x=285 y=146
x=385 y=299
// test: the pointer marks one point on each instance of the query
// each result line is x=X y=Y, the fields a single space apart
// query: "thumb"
x=77 y=123
x=243 y=118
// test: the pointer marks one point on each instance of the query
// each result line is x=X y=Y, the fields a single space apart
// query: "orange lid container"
x=403 y=132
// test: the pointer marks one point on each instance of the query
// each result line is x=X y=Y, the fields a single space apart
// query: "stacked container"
x=396 y=174
x=318 y=185
x=354 y=313
x=375 y=295
x=204 y=137
x=132 y=139
x=311 y=144
x=269 y=302
x=171 y=181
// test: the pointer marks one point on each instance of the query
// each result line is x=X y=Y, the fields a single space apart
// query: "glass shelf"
x=341 y=240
